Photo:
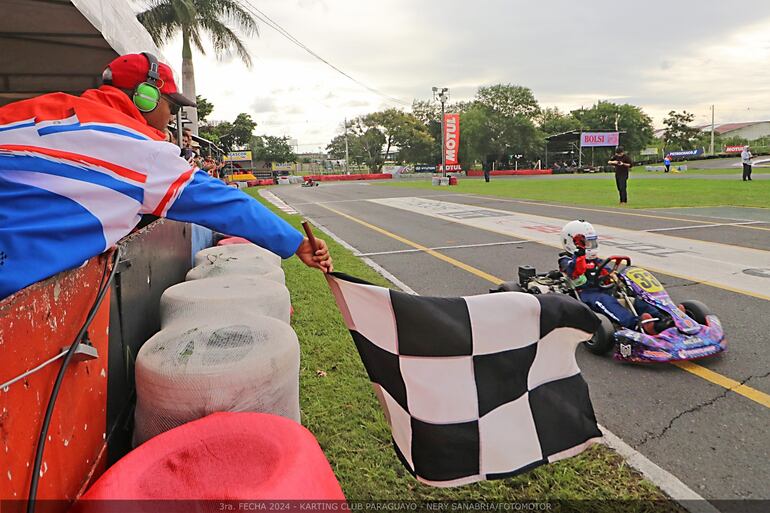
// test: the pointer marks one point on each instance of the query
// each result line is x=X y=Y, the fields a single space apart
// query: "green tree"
x=220 y=134
x=164 y=19
x=498 y=123
x=552 y=121
x=509 y=100
x=204 y=108
x=630 y=119
x=369 y=141
x=402 y=130
x=356 y=152
x=272 y=149
x=243 y=128
x=679 y=135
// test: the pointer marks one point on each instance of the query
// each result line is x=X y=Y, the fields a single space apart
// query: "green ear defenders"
x=147 y=94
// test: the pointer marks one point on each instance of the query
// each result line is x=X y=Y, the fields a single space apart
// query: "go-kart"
x=309 y=182
x=682 y=335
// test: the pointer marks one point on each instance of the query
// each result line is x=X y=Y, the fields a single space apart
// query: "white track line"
x=278 y=202
x=460 y=246
x=669 y=483
x=700 y=226
x=361 y=199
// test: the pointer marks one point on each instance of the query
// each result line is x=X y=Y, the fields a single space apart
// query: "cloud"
x=657 y=54
x=263 y=104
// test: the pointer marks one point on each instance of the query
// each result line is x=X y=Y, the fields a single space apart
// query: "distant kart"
x=689 y=335
x=310 y=183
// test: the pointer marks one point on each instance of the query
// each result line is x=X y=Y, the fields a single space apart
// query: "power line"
x=285 y=33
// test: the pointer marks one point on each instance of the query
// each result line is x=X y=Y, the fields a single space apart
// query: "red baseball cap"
x=128 y=71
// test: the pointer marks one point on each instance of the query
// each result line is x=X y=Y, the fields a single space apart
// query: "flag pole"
x=310 y=236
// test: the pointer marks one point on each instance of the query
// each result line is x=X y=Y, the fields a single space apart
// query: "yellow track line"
x=730 y=384
x=693 y=368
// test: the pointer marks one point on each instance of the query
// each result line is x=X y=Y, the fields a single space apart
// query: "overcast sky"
x=660 y=55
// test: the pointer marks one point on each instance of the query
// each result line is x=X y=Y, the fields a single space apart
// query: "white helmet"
x=580 y=228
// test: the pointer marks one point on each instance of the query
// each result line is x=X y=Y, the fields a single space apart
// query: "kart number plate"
x=645 y=280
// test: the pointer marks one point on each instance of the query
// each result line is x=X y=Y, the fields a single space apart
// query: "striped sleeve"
x=182 y=192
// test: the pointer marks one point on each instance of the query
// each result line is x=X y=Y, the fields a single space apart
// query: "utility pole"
x=442 y=94
x=347 y=156
x=711 y=148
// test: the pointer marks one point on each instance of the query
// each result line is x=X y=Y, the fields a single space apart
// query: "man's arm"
x=176 y=190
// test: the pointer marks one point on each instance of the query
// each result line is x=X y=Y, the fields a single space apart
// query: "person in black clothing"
x=622 y=163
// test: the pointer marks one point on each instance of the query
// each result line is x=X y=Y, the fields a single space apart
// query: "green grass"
x=696 y=171
x=339 y=407
x=691 y=192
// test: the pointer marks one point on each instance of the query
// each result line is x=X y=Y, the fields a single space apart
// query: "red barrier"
x=233 y=456
x=233 y=240
x=35 y=323
x=339 y=178
x=512 y=172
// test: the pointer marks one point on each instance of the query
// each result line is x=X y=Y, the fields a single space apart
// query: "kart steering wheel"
x=606 y=282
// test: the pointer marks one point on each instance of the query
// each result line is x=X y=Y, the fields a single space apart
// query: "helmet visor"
x=592 y=243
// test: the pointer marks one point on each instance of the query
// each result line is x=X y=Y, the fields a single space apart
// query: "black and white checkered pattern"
x=480 y=387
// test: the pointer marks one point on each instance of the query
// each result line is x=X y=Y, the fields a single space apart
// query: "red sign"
x=599 y=138
x=451 y=139
x=734 y=149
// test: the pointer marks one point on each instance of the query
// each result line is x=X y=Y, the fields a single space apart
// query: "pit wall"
x=90 y=427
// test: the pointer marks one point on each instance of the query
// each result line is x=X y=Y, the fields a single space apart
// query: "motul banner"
x=599 y=139
x=734 y=149
x=451 y=139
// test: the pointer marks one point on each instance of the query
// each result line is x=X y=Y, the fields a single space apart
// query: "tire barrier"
x=237 y=456
x=236 y=267
x=196 y=368
x=244 y=252
x=234 y=297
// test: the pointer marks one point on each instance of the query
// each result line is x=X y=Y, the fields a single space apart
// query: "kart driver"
x=580 y=263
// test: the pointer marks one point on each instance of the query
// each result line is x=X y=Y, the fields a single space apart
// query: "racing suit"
x=582 y=272
x=78 y=172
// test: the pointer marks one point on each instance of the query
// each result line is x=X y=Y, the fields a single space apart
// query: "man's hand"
x=321 y=260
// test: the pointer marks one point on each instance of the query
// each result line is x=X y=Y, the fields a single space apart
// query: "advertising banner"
x=649 y=151
x=451 y=139
x=238 y=156
x=588 y=139
x=283 y=166
x=424 y=168
x=686 y=153
x=734 y=149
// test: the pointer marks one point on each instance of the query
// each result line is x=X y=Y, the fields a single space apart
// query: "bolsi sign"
x=451 y=138
x=599 y=138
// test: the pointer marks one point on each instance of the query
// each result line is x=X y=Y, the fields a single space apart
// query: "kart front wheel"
x=604 y=338
x=508 y=286
x=696 y=310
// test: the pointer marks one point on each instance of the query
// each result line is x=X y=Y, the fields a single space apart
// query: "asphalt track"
x=700 y=425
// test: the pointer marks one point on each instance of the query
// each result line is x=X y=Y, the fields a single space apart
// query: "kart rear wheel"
x=604 y=338
x=696 y=310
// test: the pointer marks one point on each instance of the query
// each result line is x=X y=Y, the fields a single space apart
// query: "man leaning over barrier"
x=77 y=173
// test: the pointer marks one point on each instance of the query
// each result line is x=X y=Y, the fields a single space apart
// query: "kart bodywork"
x=685 y=335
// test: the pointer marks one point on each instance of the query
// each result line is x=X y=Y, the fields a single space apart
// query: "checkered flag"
x=479 y=387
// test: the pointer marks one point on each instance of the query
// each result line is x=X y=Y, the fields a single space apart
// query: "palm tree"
x=164 y=19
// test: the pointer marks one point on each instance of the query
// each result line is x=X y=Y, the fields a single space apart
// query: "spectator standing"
x=667 y=162
x=746 y=157
x=68 y=195
x=187 y=150
x=622 y=163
